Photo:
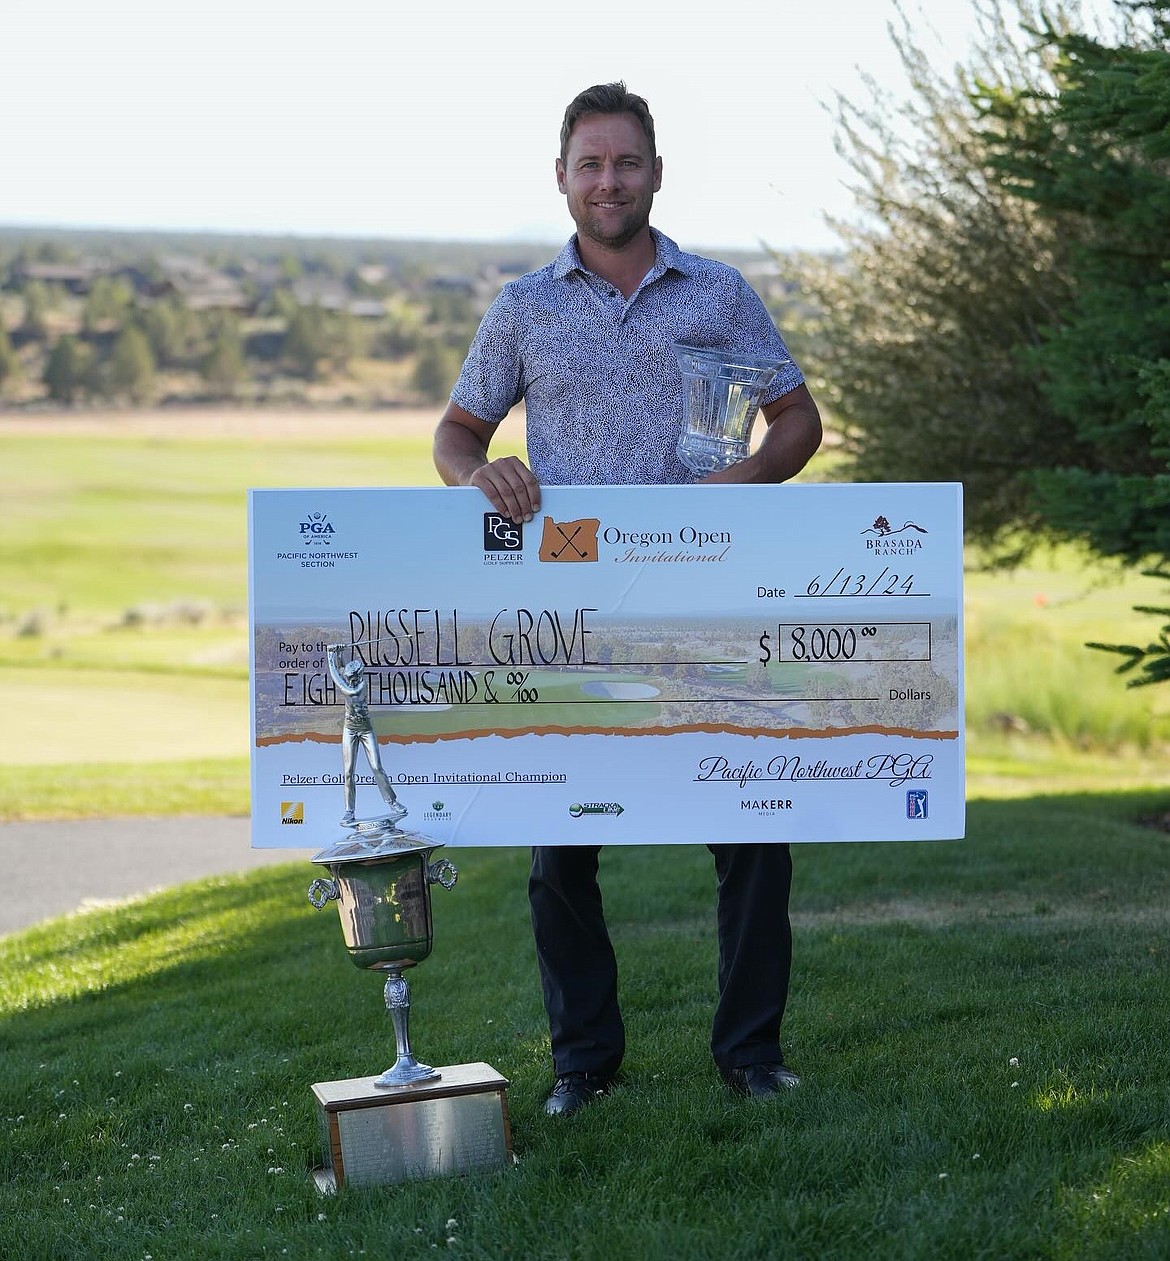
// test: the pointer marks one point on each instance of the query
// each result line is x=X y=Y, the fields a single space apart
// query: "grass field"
x=981 y=1027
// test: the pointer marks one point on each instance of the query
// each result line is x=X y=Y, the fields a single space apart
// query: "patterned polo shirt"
x=601 y=386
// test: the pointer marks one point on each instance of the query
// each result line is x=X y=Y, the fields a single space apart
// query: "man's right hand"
x=510 y=486
x=461 y=457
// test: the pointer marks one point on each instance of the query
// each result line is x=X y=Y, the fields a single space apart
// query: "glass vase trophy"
x=411 y=1121
x=723 y=392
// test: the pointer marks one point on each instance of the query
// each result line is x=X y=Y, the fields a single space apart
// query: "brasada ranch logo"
x=888 y=541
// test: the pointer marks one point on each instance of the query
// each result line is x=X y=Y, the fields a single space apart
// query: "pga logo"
x=501 y=534
x=317 y=529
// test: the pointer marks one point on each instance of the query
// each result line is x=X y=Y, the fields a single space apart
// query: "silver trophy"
x=723 y=391
x=358 y=732
x=382 y=887
x=412 y=1121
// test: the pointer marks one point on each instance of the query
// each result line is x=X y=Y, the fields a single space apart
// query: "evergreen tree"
x=9 y=363
x=36 y=305
x=223 y=367
x=435 y=370
x=68 y=370
x=307 y=342
x=1094 y=152
x=130 y=371
x=107 y=304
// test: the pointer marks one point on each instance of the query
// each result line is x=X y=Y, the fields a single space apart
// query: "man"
x=586 y=343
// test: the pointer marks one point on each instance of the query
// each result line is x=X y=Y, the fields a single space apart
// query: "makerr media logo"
x=917 y=803
x=569 y=540
x=317 y=529
x=502 y=534
x=292 y=812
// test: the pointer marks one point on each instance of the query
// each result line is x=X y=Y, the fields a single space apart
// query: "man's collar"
x=667 y=256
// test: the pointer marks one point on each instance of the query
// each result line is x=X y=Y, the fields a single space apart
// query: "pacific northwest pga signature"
x=897 y=768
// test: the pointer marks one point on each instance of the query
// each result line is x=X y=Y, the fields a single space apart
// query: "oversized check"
x=636 y=665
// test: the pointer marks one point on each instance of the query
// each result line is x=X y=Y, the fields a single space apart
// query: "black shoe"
x=758 y=1081
x=573 y=1091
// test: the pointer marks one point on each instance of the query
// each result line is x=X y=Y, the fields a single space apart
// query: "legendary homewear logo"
x=502 y=534
x=438 y=813
x=569 y=540
x=888 y=541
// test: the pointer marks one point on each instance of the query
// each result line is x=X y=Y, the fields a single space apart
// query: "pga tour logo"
x=917 y=803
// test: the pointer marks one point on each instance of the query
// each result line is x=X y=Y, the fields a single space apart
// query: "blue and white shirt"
x=600 y=383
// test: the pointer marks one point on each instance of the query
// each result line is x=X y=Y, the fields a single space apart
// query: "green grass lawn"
x=981 y=1024
x=981 y=1027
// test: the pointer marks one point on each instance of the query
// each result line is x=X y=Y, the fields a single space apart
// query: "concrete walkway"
x=53 y=869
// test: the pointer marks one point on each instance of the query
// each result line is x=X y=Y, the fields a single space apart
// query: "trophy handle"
x=322 y=891
x=443 y=872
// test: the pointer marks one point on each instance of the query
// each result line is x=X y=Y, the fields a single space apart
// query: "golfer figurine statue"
x=359 y=729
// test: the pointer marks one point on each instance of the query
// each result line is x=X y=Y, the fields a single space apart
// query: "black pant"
x=578 y=971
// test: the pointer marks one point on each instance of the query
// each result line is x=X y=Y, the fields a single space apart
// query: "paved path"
x=52 y=869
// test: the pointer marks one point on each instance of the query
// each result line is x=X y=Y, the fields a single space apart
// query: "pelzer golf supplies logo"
x=502 y=534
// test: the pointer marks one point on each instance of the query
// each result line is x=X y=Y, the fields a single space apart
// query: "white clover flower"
x=1014 y=1062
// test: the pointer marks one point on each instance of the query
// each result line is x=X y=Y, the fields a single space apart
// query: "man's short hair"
x=607 y=98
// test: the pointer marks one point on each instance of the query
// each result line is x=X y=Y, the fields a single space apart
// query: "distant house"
x=77 y=278
x=201 y=286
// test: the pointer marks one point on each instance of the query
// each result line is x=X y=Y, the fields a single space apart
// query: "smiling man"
x=586 y=344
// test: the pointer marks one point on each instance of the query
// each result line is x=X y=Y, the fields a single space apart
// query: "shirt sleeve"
x=490 y=383
x=761 y=337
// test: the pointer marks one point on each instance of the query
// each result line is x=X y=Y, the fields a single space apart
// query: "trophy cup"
x=412 y=1121
x=723 y=391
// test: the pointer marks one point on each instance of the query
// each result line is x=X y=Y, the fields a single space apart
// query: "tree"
x=9 y=363
x=106 y=305
x=130 y=371
x=1096 y=150
x=1093 y=151
x=943 y=282
x=435 y=370
x=223 y=366
x=307 y=342
x=174 y=332
x=68 y=370
x=36 y=305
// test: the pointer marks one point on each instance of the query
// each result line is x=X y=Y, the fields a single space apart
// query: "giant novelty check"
x=635 y=665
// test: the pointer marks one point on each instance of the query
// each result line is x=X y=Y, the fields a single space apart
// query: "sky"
x=372 y=118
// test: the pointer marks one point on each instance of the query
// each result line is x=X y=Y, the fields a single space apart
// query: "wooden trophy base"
x=379 y=1136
